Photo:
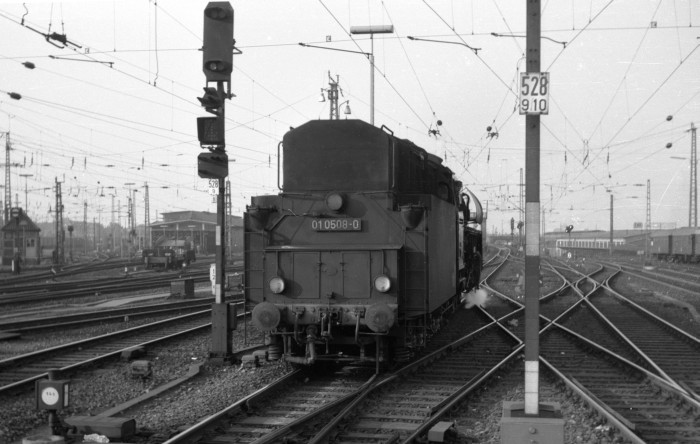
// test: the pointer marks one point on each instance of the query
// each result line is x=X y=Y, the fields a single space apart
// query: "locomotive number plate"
x=346 y=224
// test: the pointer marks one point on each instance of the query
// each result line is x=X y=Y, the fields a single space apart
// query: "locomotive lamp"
x=411 y=215
x=382 y=284
x=335 y=202
x=277 y=285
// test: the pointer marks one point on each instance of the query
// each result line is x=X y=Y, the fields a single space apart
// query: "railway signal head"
x=569 y=228
x=210 y=131
x=212 y=100
x=213 y=164
x=218 y=42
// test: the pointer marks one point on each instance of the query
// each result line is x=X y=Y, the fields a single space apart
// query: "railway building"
x=200 y=228
x=20 y=239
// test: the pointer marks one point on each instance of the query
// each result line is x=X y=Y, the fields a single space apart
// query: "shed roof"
x=20 y=222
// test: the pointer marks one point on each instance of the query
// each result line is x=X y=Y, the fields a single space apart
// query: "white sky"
x=97 y=128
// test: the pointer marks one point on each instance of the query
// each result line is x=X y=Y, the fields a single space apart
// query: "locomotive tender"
x=366 y=248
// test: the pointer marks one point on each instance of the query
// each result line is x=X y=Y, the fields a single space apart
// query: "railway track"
x=100 y=316
x=283 y=408
x=579 y=344
x=672 y=278
x=48 y=272
x=675 y=352
x=642 y=407
x=20 y=371
x=634 y=367
x=394 y=406
x=90 y=287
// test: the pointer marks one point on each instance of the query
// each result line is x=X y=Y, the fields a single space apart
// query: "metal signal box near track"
x=52 y=394
x=516 y=427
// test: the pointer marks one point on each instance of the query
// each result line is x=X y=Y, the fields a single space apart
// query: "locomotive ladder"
x=416 y=277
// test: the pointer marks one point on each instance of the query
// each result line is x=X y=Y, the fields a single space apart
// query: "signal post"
x=532 y=421
x=217 y=64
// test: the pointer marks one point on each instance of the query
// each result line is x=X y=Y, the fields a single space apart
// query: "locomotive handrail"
x=393 y=164
x=278 y=167
x=393 y=156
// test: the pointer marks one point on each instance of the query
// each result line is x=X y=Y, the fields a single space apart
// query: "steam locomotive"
x=366 y=248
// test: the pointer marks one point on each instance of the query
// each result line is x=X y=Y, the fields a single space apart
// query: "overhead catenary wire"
x=146 y=81
x=646 y=101
x=496 y=113
x=381 y=73
x=624 y=76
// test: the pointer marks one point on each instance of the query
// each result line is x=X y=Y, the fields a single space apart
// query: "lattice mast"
x=229 y=209
x=8 y=188
x=85 y=228
x=333 y=96
x=648 y=220
x=647 y=234
x=693 y=207
x=60 y=235
x=146 y=219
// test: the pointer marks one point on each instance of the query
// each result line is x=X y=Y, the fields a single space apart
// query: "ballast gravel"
x=96 y=390
x=93 y=391
x=216 y=387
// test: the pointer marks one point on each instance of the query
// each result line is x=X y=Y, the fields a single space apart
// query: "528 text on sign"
x=534 y=93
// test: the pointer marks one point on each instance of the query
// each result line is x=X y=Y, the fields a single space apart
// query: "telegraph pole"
x=217 y=63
